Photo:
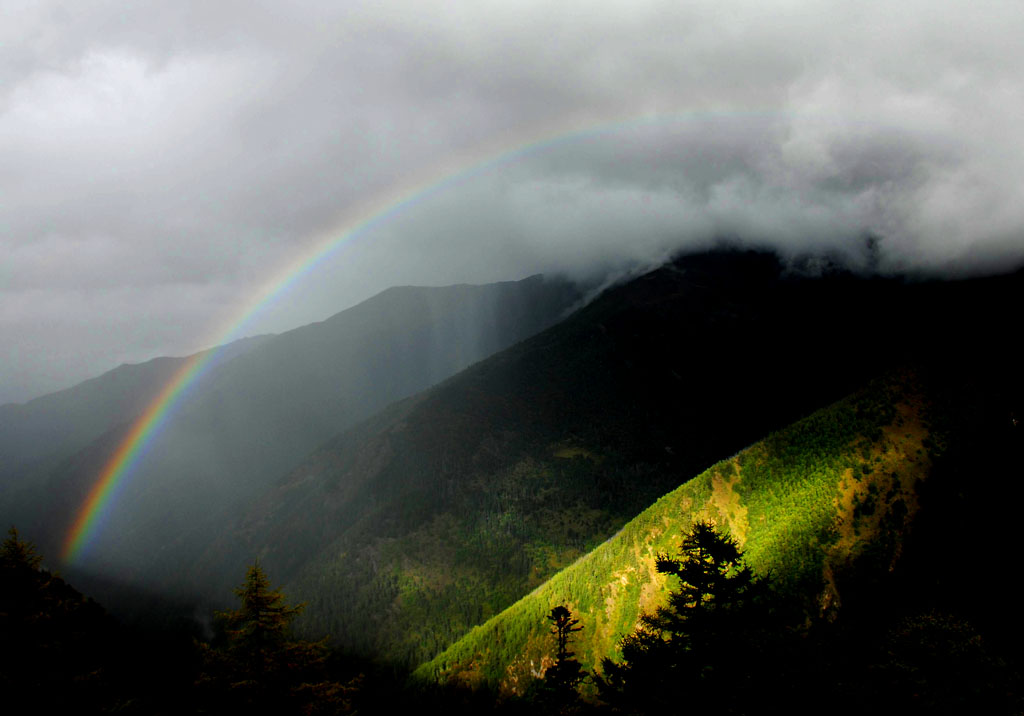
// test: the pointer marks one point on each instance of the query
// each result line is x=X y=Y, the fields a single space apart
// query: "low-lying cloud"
x=162 y=160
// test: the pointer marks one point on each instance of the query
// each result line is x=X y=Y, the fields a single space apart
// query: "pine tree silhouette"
x=55 y=641
x=260 y=666
x=717 y=622
x=558 y=691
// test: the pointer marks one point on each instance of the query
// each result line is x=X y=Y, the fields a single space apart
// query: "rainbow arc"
x=125 y=459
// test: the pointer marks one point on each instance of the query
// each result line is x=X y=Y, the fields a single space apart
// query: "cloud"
x=164 y=159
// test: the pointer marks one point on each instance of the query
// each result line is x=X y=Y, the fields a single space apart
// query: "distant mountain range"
x=265 y=404
x=34 y=436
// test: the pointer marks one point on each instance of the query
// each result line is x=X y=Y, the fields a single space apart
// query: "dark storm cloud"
x=161 y=160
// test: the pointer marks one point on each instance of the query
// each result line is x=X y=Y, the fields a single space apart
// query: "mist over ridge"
x=247 y=420
x=162 y=164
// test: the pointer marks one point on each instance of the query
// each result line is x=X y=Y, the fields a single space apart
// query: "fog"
x=162 y=161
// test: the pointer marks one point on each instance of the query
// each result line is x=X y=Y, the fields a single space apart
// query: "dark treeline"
x=726 y=641
x=729 y=641
x=939 y=634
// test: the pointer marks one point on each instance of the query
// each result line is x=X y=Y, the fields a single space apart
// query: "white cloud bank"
x=161 y=160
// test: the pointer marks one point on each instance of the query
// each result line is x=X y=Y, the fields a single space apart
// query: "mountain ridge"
x=850 y=449
x=262 y=410
x=440 y=512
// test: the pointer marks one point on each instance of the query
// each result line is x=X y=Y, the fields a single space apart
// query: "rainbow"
x=128 y=454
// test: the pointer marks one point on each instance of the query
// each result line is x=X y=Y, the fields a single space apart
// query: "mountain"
x=888 y=521
x=251 y=418
x=422 y=522
x=439 y=529
x=37 y=434
x=833 y=493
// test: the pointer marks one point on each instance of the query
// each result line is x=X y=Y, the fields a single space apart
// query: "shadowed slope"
x=835 y=488
x=438 y=513
x=254 y=417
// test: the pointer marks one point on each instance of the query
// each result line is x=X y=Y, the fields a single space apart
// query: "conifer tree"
x=717 y=622
x=54 y=640
x=562 y=626
x=257 y=631
x=261 y=666
x=16 y=553
x=562 y=678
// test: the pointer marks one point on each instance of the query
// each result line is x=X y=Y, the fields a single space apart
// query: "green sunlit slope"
x=835 y=488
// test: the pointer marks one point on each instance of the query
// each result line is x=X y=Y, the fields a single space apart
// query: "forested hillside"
x=872 y=523
x=408 y=530
x=247 y=420
x=834 y=491
x=441 y=532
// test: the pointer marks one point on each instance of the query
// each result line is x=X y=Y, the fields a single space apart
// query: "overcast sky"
x=161 y=161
